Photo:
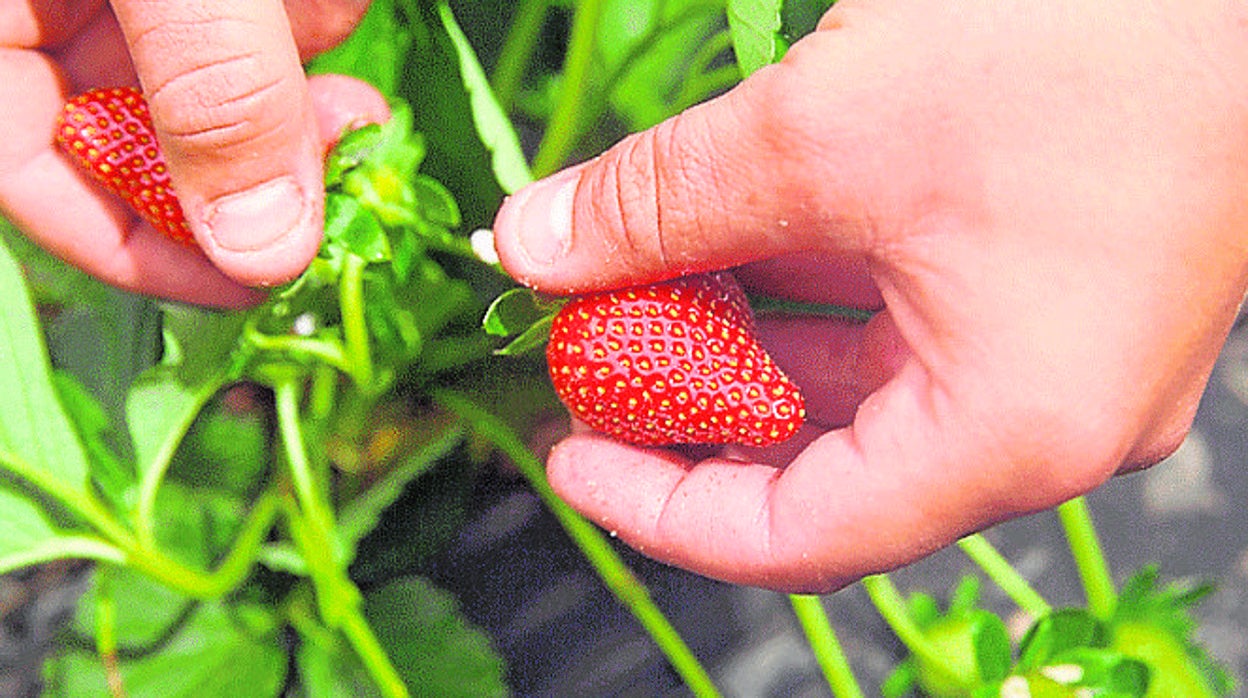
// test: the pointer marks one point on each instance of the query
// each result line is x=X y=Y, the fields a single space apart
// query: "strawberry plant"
x=227 y=475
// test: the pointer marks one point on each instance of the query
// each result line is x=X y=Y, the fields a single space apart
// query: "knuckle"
x=222 y=100
x=649 y=192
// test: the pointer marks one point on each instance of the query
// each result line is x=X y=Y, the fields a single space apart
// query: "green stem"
x=286 y=393
x=106 y=631
x=828 y=652
x=312 y=529
x=1000 y=571
x=1085 y=548
x=565 y=120
x=233 y=568
x=79 y=501
x=593 y=544
x=517 y=50
x=326 y=351
x=153 y=473
x=354 y=326
x=360 y=634
x=892 y=608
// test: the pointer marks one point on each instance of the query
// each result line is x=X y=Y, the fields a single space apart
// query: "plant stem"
x=106 y=631
x=354 y=327
x=311 y=503
x=79 y=501
x=360 y=634
x=828 y=652
x=565 y=120
x=593 y=545
x=892 y=607
x=1000 y=571
x=312 y=529
x=517 y=51
x=1085 y=548
x=229 y=574
x=153 y=473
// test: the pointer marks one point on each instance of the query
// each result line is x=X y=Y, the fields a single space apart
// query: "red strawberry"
x=109 y=133
x=670 y=363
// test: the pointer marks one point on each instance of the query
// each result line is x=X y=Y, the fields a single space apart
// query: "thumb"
x=722 y=184
x=230 y=105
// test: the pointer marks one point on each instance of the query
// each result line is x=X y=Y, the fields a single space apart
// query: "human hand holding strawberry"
x=233 y=110
x=1052 y=240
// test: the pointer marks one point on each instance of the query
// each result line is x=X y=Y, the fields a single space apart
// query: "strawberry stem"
x=1085 y=547
x=823 y=642
x=1000 y=571
x=354 y=326
x=629 y=590
x=892 y=607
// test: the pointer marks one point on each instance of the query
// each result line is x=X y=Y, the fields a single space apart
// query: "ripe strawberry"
x=674 y=362
x=109 y=133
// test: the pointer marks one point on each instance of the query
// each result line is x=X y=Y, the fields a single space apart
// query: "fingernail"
x=545 y=217
x=257 y=218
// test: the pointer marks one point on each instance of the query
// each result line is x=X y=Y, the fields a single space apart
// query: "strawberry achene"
x=109 y=133
x=671 y=363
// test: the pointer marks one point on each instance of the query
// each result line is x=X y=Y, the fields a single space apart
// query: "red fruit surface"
x=671 y=363
x=108 y=132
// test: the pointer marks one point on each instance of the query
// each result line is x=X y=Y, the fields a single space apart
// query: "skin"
x=1045 y=202
x=243 y=130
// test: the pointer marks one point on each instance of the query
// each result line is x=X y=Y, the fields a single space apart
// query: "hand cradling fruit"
x=671 y=363
x=108 y=132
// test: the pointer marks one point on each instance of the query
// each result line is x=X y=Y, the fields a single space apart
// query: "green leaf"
x=435 y=650
x=515 y=310
x=353 y=228
x=656 y=51
x=435 y=75
x=993 y=652
x=756 y=32
x=372 y=51
x=220 y=649
x=533 y=338
x=1058 y=632
x=164 y=401
x=30 y=537
x=33 y=426
x=510 y=168
x=113 y=475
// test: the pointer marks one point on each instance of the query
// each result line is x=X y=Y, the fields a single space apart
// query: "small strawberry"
x=109 y=133
x=671 y=363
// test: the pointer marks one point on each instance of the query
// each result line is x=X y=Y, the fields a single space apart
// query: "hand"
x=1044 y=201
x=243 y=131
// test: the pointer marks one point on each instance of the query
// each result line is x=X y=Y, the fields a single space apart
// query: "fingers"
x=231 y=108
x=730 y=181
x=341 y=102
x=319 y=25
x=62 y=209
x=904 y=480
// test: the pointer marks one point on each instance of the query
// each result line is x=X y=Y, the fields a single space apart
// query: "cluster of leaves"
x=1145 y=649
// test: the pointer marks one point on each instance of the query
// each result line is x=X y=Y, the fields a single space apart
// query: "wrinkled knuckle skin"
x=221 y=98
x=625 y=205
x=228 y=115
